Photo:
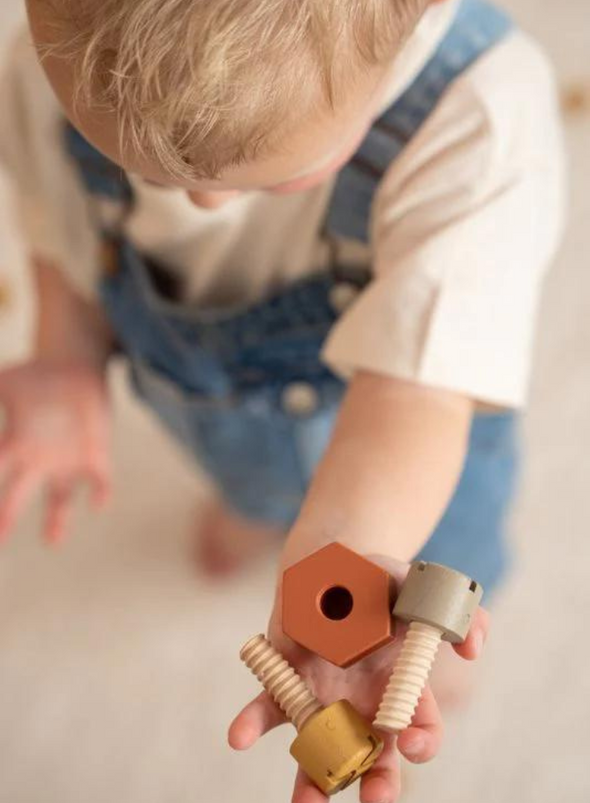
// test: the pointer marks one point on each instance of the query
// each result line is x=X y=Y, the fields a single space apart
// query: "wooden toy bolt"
x=439 y=604
x=335 y=745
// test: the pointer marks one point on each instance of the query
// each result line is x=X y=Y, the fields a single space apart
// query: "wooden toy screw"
x=280 y=680
x=439 y=604
x=335 y=745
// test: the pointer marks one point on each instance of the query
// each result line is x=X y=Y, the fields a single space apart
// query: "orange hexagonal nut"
x=337 y=604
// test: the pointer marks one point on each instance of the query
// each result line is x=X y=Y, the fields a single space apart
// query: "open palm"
x=55 y=436
x=363 y=685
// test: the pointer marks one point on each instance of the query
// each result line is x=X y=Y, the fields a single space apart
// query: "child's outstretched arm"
x=55 y=432
x=388 y=474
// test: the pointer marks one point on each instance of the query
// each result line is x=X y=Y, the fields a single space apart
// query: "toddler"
x=317 y=231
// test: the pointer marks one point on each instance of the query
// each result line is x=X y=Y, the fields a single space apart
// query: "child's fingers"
x=472 y=647
x=59 y=505
x=418 y=743
x=422 y=740
x=17 y=490
x=381 y=784
x=99 y=480
x=305 y=791
x=259 y=717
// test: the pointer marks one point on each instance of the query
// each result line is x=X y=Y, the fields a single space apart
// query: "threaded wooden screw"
x=280 y=680
x=438 y=603
x=408 y=678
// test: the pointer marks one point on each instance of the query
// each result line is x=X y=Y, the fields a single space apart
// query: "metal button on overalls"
x=300 y=398
x=342 y=295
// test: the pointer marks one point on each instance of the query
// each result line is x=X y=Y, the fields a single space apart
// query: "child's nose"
x=212 y=200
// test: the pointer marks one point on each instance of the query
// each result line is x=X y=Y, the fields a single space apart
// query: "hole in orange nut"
x=336 y=603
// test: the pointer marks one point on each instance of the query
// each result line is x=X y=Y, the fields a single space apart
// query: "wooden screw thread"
x=280 y=680
x=408 y=678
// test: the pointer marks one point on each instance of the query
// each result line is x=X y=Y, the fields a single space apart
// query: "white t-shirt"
x=463 y=224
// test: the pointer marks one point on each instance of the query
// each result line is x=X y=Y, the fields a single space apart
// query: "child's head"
x=223 y=95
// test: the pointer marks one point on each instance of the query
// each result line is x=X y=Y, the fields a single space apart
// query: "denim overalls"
x=244 y=390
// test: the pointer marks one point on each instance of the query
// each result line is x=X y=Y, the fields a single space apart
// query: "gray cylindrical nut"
x=441 y=597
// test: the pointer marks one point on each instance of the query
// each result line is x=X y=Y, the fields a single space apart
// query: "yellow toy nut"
x=336 y=746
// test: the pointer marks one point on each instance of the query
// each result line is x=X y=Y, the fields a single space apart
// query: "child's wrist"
x=87 y=345
x=92 y=367
x=74 y=359
x=70 y=329
x=301 y=543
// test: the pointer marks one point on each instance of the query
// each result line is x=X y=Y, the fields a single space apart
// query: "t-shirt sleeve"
x=51 y=209
x=464 y=225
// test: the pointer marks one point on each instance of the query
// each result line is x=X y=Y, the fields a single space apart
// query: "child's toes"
x=227 y=543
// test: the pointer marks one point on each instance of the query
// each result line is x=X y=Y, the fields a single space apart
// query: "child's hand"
x=363 y=685
x=55 y=435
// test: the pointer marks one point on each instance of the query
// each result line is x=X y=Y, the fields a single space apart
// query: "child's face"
x=313 y=152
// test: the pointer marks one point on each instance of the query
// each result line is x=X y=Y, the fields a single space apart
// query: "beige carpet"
x=119 y=669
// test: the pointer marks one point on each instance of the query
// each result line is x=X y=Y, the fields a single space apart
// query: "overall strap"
x=477 y=27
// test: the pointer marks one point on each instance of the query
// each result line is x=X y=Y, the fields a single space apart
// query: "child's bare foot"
x=227 y=542
x=452 y=680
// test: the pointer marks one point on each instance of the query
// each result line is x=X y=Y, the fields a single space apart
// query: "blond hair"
x=200 y=85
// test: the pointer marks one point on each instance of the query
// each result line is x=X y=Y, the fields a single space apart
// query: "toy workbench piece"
x=335 y=745
x=439 y=604
x=337 y=604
